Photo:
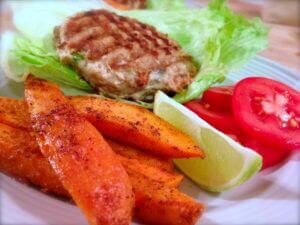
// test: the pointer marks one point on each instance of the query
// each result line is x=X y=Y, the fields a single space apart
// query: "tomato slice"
x=268 y=111
x=219 y=98
x=271 y=156
x=220 y=120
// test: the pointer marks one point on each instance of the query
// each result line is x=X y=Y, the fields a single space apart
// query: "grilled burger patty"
x=122 y=57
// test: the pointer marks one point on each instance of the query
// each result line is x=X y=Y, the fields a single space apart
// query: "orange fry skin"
x=83 y=161
x=21 y=158
x=14 y=112
x=117 y=5
x=158 y=204
x=136 y=126
x=143 y=157
x=133 y=166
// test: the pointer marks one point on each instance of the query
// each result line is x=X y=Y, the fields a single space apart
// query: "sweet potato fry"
x=14 y=112
x=136 y=126
x=163 y=205
x=117 y=5
x=82 y=160
x=152 y=173
x=21 y=158
x=126 y=123
x=142 y=157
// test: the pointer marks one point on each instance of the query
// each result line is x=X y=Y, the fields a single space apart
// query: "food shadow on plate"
x=192 y=190
x=15 y=89
x=48 y=208
x=265 y=185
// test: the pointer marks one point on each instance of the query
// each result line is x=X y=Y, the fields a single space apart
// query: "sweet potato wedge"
x=85 y=164
x=152 y=173
x=21 y=158
x=158 y=204
x=117 y=5
x=136 y=126
x=126 y=123
x=144 y=158
x=14 y=112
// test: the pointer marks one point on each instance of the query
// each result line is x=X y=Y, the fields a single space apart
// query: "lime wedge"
x=227 y=163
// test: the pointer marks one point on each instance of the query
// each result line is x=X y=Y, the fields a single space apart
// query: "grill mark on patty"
x=79 y=41
x=146 y=36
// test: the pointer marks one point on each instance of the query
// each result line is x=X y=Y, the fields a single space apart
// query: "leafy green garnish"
x=165 y=4
x=46 y=65
x=77 y=56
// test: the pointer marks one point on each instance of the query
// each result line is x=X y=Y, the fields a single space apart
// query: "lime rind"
x=249 y=171
x=210 y=174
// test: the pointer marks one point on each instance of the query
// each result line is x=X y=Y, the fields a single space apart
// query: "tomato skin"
x=271 y=156
x=219 y=98
x=253 y=101
x=221 y=121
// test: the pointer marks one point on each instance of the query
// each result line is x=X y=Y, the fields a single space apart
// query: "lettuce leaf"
x=44 y=64
x=165 y=4
x=35 y=20
x=218 y=40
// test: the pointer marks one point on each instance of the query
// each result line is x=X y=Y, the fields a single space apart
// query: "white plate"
x=271 y=197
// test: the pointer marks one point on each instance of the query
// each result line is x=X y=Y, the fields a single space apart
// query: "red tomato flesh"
x=220 y=120
x=271 y=156
x=219 y=98
x=268 y=111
